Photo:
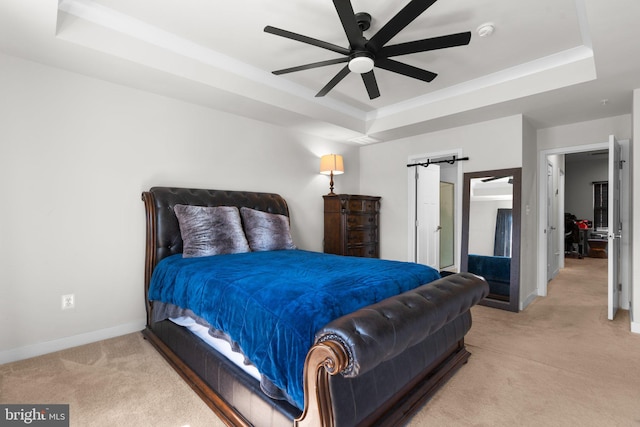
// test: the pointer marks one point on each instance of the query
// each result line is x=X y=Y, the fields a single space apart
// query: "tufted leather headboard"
x=163 y=231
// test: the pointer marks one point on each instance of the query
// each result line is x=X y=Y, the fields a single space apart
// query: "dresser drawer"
x=361 y=205
x=363 y=220
x=366 y=251
x=362 y=236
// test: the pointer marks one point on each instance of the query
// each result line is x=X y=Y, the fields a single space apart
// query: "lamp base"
x=331 y=193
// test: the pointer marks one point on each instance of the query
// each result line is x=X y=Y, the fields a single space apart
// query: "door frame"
x=542 y=205
x=542 y=212
x=560 y=218
x=552 y=269
x=411 y=185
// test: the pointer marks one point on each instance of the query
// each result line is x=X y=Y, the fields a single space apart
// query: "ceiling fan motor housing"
x=364 y=20
x=361 y=59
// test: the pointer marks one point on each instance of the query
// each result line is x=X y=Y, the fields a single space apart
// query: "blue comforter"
x=272 y=303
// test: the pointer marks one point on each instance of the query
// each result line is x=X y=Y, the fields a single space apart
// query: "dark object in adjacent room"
x=571 y=235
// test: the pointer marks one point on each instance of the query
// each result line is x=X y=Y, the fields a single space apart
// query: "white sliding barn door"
x=428 y=216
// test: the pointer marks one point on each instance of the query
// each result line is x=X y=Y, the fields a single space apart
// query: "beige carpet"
x=558 y=363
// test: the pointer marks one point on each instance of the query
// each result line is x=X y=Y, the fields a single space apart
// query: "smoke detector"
x=485 y=30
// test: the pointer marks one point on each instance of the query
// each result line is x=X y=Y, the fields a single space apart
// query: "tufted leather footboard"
x=392 y=355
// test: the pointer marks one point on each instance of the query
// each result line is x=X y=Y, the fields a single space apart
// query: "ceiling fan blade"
x=493 y=178
x=348 y=20
x=403 y=18
x=434 y=43
x=334 y=81
x=310 y=66
x=405 y=70
x=371 y=84
x=305 y=39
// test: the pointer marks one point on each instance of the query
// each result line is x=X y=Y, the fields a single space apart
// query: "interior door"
x=428 y=216
x=551 y=229
x=614 y=227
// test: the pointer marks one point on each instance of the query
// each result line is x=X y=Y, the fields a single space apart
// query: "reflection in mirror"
x=447 y=238
x=491 y=233
x=490 y=228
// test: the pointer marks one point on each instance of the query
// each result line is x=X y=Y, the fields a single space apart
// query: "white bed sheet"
x=222 y=346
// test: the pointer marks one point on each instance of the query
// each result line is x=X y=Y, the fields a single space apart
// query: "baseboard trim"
x=635 y=327
x=39 y=349
x=528 y=300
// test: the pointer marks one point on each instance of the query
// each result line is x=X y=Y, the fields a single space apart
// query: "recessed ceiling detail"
x=198 y=52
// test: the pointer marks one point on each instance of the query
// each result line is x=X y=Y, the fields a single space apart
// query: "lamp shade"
x=331 y=164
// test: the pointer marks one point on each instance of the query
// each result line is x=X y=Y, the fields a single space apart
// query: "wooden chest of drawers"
x=351 y=225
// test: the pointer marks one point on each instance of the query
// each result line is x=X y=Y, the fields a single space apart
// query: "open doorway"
x=571 y=181
x=586 y=188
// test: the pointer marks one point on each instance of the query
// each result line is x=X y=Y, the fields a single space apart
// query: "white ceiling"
x=552 y=60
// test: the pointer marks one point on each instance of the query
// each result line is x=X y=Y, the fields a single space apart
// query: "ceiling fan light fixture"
x=361 y=64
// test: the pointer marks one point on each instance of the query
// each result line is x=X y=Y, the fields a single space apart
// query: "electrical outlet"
x=68 y=301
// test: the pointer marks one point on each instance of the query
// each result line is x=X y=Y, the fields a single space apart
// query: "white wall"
x=495 y=144
x=75 y=155
x=584 y=133
x=482 y=224
x=529 y=222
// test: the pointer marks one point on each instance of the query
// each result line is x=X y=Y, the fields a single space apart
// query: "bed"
x=374 y=359
x=496 y=270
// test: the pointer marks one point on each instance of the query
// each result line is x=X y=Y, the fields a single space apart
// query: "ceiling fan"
x=363 y=55
x=494 y=178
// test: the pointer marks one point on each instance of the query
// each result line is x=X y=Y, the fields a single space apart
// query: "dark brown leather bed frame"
x=376 y=366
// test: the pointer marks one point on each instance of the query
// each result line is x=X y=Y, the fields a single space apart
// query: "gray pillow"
x=266 y=231
x=210 y=230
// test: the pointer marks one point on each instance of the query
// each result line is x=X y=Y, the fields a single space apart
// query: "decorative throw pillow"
x=266 y=231
x=210 y=230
